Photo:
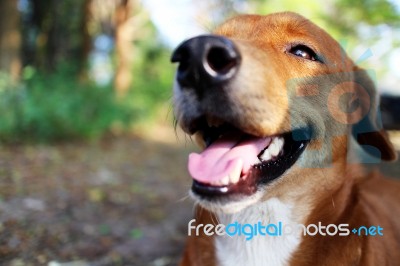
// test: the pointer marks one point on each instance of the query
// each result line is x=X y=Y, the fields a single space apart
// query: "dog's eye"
x=304 y=52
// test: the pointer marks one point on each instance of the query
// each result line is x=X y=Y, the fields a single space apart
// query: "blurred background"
x=91 y=169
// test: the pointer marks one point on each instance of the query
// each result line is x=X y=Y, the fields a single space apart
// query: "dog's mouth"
x=235 y=162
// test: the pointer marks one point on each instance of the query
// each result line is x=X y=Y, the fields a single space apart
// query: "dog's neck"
x=276 y=250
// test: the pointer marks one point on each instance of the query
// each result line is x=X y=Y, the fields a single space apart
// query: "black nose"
x=206 y=60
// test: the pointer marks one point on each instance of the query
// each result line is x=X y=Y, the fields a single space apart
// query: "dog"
x=287 y=122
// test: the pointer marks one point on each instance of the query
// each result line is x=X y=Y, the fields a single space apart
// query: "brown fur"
x=341 y=193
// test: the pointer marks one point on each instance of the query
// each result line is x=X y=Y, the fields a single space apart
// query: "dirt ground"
x=122 y=201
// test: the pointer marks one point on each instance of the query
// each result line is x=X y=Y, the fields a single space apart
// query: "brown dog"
x=286 y=121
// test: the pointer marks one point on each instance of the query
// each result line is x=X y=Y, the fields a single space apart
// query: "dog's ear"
x=369 y=132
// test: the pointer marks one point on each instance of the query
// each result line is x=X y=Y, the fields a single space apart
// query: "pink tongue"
x=224 y=156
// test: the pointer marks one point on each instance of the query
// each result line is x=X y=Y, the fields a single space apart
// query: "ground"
x=119 y=201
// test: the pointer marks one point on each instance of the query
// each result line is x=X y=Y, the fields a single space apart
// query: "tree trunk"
x=124 y=47
x=86 y=39
x=10 y=39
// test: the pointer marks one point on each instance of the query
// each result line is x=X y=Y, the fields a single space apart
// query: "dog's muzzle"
x=236 y=161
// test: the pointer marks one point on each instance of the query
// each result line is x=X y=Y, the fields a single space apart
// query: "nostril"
x=220 y=60
x=205 y=61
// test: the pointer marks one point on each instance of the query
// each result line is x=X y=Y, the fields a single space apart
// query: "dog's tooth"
x=279 y=143
x=256 y=161
x=266 y=156
x=234 y=178
x=235 y=174
x=225 y=180
x=273 y=148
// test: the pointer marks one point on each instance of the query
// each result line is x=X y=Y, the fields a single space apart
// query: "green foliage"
x=372 y=12
x=339 y=17
x=56 y=107
x=309 y=9
x=49 y=107
x=152 y=78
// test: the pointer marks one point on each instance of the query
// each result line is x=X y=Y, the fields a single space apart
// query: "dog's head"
x=268 y=98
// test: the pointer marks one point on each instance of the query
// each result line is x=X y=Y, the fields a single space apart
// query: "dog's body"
x=266 y=77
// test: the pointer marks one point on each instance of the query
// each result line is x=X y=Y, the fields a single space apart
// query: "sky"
x=177 y=20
